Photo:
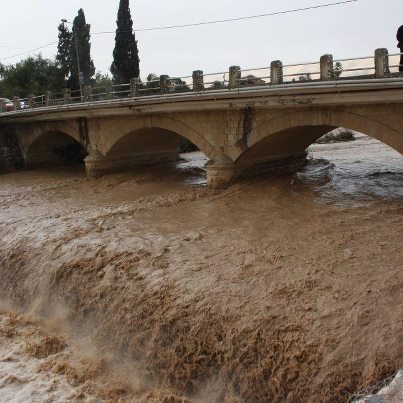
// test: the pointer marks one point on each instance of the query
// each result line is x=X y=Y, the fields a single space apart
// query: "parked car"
x=24 y=104
x=6 y=105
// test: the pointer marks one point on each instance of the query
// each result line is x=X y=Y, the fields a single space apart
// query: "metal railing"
x=327 y=69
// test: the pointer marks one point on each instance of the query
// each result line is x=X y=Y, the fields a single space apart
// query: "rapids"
x=145 y=286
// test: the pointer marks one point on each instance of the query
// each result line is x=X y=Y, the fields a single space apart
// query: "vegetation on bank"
x=336 y=136
x=37 y=75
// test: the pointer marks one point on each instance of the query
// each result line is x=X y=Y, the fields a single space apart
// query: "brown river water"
x=145 y=286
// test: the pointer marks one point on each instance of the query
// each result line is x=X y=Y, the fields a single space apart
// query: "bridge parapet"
x=381 y=65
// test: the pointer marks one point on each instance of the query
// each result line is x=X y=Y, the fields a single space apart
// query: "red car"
x=6 y=105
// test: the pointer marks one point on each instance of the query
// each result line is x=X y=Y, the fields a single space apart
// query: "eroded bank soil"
x=261 y=293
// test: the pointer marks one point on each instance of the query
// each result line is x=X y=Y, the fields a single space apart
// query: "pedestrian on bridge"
x=399 y=37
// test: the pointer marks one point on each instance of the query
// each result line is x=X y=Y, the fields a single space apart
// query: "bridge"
x=243 y=124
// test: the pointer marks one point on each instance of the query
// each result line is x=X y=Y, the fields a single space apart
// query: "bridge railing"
x=380 y=65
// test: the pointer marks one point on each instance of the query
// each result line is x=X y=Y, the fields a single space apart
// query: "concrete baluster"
x=48 y=98
x=108 y=90
x=234 y=77
x=134 y=87
x=326 y=68
x=67 y=95
x=87 y=89
x=276 y=72
x=17 y=103
x=31 y=100
x=381 y=63
x=198 y=80
x=164 y=81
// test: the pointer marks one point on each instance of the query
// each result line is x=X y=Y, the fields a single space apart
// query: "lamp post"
x=80 y=78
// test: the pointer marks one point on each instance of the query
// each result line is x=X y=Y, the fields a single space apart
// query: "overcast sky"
x=355 y=29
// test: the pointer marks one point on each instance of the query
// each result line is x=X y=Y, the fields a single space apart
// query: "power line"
x=248 y=17
x=196 y=24
x=29 y=51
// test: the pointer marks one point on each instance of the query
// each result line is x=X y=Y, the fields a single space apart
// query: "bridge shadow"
x=54 y=149
x=151 y=148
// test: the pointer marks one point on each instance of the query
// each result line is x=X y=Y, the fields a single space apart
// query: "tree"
x=153 y=81
x=64 y=57
x=177 y=85
x=34 y=75
x=126 y=62
x=338 y=69
x=2 y=71
x=218 y=85
x=102 y=80
x=81 y=33
x=304 y=78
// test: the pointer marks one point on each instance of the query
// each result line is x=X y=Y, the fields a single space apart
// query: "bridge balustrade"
x=381 y=65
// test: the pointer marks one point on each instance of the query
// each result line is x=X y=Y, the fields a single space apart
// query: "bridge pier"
x=220 y=172
x=96 y=164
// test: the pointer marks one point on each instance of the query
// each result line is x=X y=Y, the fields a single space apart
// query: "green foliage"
x=126 y=62
x=338 y=69
x=102 y=80
x=34 y=75
x=64 y=57
x=153 y=81
x=218 y=85
x=336 y=136
x=178 y=85
x=305 y=77
x=81 y=33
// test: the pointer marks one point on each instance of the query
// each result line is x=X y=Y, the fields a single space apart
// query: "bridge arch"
x=53 y=144
x=36 y=131
x=293 y=132
x=135 y=133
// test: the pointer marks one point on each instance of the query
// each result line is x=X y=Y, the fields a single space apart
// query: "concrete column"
x=234 y=76
x=48 y=98
x=67 y=95
x=95 y=164
x=16 y=102
x=31 y=100
x=326 y=68
x=220 y=172
x=134 y=87
x=164 y=83
x=276 y=72
x=381 y=63
x=198 y=80
x=87 y=89
x=108 y=90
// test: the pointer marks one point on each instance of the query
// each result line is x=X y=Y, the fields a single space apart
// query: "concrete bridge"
x=241 y=130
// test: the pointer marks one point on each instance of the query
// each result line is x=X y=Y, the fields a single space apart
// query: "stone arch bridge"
x=240 y=131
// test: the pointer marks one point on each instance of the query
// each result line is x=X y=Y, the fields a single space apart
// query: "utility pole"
x=79 y=75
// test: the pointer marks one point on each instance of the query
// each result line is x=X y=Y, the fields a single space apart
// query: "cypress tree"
x=81 y=31
x=126 y=62
x=63 y=57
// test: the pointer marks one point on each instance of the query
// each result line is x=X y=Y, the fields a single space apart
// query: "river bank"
x=278 y=289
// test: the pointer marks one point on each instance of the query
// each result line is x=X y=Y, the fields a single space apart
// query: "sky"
x=351 y=30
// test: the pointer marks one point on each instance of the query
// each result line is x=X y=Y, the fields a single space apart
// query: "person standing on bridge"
x=399 y=37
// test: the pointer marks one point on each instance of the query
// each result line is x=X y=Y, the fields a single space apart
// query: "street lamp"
x=80 y=74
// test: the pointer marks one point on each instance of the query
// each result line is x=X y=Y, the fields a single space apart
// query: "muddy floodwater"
x=145 y=286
